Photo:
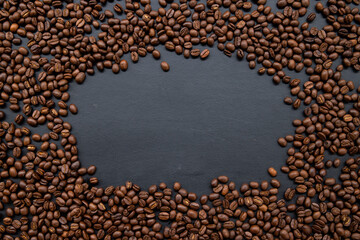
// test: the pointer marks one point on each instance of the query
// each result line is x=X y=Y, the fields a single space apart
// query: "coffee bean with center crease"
x=123 y=65
x=204 y=54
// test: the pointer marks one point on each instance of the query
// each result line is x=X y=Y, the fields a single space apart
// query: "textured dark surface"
x=200 y=120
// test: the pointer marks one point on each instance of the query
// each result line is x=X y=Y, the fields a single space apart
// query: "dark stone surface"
x=200 y=120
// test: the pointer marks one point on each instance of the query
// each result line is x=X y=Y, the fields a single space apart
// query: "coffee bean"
x=118 y=8
x=73 y=109
x=223 y=179
x=115 y=68
x=311 y=17
x=123 y=65
x=156 y=54
x=272 y=172
x=91 y=170
x=195 y=53
x=80 y=78
x=165 y=66
x=134 y=57
x=282 y=142
x=204 y=54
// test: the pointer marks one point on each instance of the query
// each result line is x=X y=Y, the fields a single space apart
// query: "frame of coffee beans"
x=46 y=45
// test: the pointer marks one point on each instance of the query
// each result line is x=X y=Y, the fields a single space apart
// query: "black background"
x=198 y=121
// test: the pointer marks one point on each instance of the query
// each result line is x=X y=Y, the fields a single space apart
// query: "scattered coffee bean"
x=272 y=172
x=204 y=54
x=165 y=66
x=73 y=108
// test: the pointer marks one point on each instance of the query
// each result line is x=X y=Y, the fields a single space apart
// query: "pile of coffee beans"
x=45 y=192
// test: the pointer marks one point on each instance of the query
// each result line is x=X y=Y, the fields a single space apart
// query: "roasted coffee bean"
x=73 y=109
x=311 y=17
x=282 y=142
x=123 y=65
x=115 y=68
x=272 y=172
x=156 y=54
x=165 y=66
x=204 y=54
